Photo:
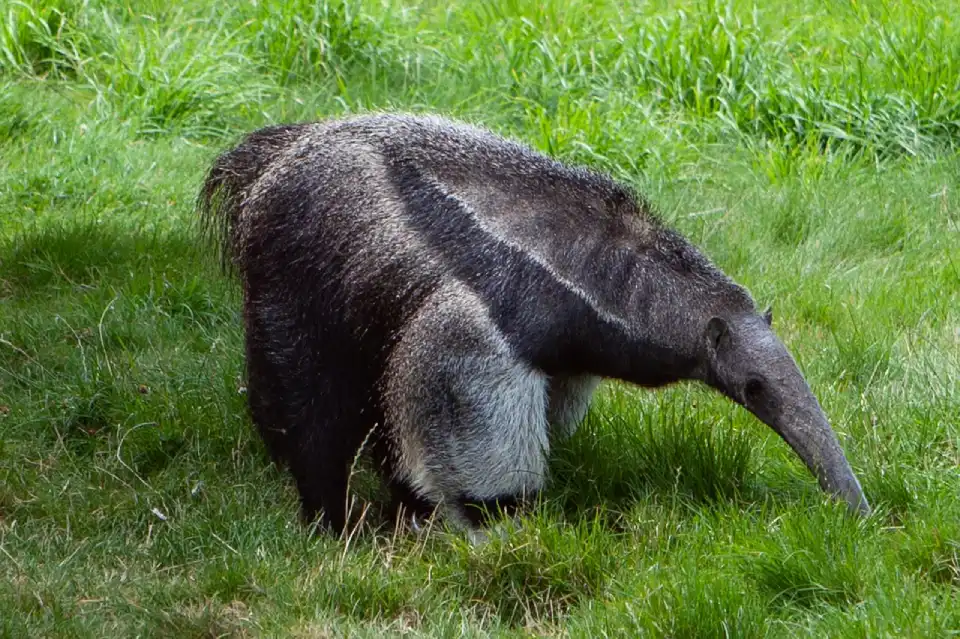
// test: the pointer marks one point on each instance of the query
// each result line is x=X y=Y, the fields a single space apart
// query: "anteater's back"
x=383 y=207
x=363 y=218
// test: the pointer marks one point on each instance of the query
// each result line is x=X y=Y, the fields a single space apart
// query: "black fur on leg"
x=265 y=390
x=405 y=501
x=334 y=421
x=309 y=401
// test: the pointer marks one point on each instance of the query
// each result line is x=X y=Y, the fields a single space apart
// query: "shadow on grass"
x=635 y=443
x=79 y=257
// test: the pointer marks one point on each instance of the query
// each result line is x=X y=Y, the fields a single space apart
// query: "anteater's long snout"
x=809 y=433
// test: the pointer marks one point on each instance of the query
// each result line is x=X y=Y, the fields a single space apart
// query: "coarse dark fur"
x=461 y=295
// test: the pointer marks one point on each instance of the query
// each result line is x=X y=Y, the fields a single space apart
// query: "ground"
x=808 y=147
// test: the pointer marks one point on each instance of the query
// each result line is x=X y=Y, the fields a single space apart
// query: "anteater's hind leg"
x=309 y=404
x=265 y=388
x=468 y=418
x=330 y=427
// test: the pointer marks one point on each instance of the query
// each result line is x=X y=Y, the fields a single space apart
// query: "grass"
x=808 y=147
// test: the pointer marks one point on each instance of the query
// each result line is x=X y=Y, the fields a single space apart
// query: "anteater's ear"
x=718 y=333
x=768 y=316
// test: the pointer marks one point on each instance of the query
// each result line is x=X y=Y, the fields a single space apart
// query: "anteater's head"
x=746 y=361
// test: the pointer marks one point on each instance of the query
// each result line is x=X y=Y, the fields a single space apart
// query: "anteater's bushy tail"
x=228 y=184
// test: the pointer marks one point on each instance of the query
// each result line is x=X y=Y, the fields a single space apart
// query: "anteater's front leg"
x=467 y=418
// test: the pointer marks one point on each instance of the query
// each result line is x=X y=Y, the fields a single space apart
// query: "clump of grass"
x=6 y=495
x=715 y=64
x=369 y=592
x=169 y=76
x=86 y=418
x=863 y=355
x=16 y=119
x=931 y=548
x=703 y=61
x=202 y=619
x=78 y=255
x=304 y=41
x=792 y=221
x=814 y=556
x=633 y=444
x=918 y=52
x=39 y=37
x=679 y=585
x=538 y=571
x=697 y=603
x=42 y=604
x=893 y=487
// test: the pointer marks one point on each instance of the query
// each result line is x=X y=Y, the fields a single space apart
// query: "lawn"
x=809 y=148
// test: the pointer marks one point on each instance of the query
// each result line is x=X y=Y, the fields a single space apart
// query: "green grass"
x=809 y=147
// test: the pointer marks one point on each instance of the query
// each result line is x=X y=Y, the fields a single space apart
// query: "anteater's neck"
x=646 y=313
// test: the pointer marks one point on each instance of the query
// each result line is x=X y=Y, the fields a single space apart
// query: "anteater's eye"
x=753 y=391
